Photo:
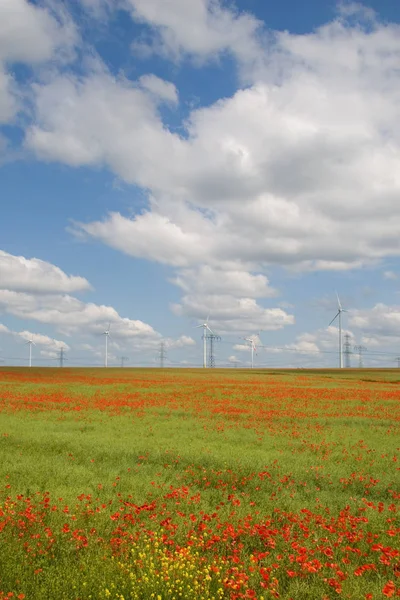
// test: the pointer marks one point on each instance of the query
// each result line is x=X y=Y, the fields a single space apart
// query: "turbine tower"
x=347 y=351
x=206 y=328
x=106 y=333
x=30 y=342
x=252 y=343
x=339 y=314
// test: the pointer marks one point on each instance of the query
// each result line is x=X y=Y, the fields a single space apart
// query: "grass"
x=208 y=484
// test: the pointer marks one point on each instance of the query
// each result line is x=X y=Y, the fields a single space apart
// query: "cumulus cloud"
x=279 y=173
x=298 y=169
x=36 y=276
x=42 y=340
x=30 y=34
x=4 y=329
x=390 y=275
x=100 y=9
x=318 y=344
x=381 y=320
x=76 y=123
x=159 y=88
x=200 y=29
x=51 y=344
x=71 y=316
x=36 y=290
x=234 y=360
x=229 y=314
x=181 y=342
x=150 y=235
x=242 y=347
x=8 y=96
x=208 y=280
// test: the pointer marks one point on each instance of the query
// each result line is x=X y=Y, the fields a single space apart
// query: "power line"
x=300 y=356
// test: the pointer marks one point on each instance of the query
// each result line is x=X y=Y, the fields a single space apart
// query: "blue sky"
x=165 y=161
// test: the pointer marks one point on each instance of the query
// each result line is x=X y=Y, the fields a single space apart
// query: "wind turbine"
x=106 y=333
x=339 y=314
x=30 y=342
x=252 y=343
x=206 y=328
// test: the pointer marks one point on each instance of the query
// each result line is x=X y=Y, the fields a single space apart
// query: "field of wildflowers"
x=167 y=484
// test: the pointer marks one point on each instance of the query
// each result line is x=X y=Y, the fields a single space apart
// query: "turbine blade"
x=334 y=318
x=338 y=301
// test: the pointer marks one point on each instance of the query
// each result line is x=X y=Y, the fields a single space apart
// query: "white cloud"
x=76 y=123
x=101 y=8
x=390 y=275
x=32 y=35
x=51 y=344
x=356 y=9
x=305 y=343
x=70 y=315
x=277 y=174
x=159 y=88
x=200 y=29
x=208 y=280
x=37 y=276
x=319 y=344
x=4 y=329
x=229 y=314
x=300 y=169
x=152 y=236
x=242 y=347
x=382 y=320
x=234 y=360
x=8 y=100
x=33 y=291
x=181 y=342
x=42 y=340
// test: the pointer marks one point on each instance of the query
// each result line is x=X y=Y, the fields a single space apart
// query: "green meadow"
x=126 y=483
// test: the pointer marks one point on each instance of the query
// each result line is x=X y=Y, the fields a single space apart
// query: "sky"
x=165 y=162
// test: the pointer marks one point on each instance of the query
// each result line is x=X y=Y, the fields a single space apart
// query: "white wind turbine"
x=251 y=340
x=106 y=333
x=30 y=342
x=206 y=328
x=339 y=314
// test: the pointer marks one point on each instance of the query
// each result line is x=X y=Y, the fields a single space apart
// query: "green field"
x=161 y=484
